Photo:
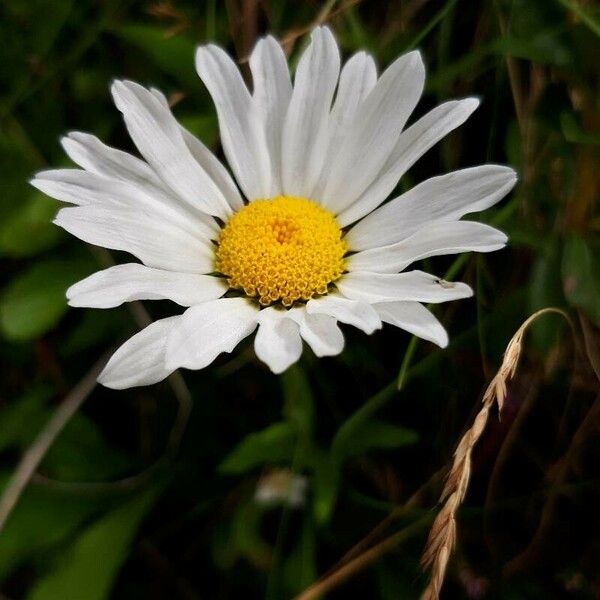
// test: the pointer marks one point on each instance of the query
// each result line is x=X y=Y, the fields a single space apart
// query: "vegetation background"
x=146 y=494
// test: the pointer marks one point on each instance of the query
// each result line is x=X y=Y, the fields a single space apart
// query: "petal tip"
x=442 y=340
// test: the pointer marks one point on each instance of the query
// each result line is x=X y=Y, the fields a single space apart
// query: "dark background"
x=184 y=523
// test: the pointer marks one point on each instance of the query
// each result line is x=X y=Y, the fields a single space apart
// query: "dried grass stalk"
x=442 y=537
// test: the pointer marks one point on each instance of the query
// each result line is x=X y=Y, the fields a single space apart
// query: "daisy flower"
x=298 y=236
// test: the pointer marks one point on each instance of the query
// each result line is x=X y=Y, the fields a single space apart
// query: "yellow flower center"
x=281 y=249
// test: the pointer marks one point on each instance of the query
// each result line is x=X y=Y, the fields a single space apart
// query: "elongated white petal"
x=207 y=160
x=124 y=283
x=277 y=342
x=432 y=240
x=157 y=244
x=272 y=93
x=411 y=145
x=374 y=131
x=357 y=79
x=305 y=130
x=89 y=189
x=158 y=137
x=141 y=359
x=414 y=318
x=206 y=330
x=352 y=312
x=243 y=139
x=90 y=153
x=102 y=161
x=444 y=198
x=412 y=285
x=320 y=332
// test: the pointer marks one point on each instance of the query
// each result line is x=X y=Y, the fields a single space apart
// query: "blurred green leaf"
x=29 y=230
x=581 y=276
x=376 y=435
x=204 y=127
x=19 y=419
x=325 y=485
x=41 y=520
x=34 y=301
x=87 y=570
x=246 y=535
x=351 y=429
x=591 y=21
x=172 y=54
x=300 y=569
x=95 y=327
x=298 y=399
x=573 y=133
x=274 y=444
x=545 y=290
x=83 y=453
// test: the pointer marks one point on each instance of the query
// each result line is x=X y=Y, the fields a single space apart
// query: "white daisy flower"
x=307 y=243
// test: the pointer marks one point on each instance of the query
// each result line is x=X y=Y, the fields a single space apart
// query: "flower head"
x=302 y=238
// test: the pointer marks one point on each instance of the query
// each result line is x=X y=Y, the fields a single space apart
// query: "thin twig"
x=318 y=589
x=442 y=537
x=383 y=525
x=36 y=452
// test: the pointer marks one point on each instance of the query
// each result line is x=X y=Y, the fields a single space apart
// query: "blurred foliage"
x=188 y=524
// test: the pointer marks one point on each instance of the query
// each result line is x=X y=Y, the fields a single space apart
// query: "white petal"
x=157 y=244
x=412 y=285
x=124 y=283
x=414 y=318
x=91 y=154
x=272 y=93
x=432 y=240
x=357 y=79
x=141 y=359
x=277 y=342
x=445 y=198
x=206 y=330
x=352 y=312
x=243 y=139
x=320 y=332
x=411 y=145
x=89 y=189
x=208 y=161
x=305 y=131
x=374 y=131
x=158 y=137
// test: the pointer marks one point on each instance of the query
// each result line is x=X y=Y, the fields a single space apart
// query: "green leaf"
x=20 y=419
x=298 y=399
x=88 y=569
x=41 y=520
x=300 y=568
x=204 y=127
x=351 y=428
x=274 y=444
x=325 y=485
x=172 y=54
x=545 y=290
x=574 y=133
x=34 y=301
x=246 y=534
x=377 y=435
x=83 y=453
x=29 y=230
x=581 y=276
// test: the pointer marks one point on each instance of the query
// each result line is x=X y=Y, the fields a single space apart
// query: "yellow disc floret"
x=283 y=249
